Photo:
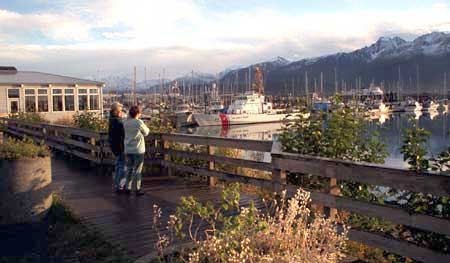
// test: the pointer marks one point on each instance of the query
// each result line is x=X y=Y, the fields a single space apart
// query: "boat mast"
x=134 y=87
x=417 y=77
x=321 y=85
x=306 y=89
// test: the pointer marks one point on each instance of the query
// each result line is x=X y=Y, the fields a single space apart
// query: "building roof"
x=14 y=77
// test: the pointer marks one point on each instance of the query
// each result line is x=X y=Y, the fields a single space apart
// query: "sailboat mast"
x=321 y=85
x=417 y=84
x=134 y=87
x=306 y=89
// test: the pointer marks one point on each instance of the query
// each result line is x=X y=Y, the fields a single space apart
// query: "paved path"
x=124 y=220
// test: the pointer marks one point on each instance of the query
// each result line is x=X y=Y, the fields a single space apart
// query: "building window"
x=93 y=91
x=29 y=92
x=13 y=93
x=30 y=103
x=42 y=92
x=57 y=91
x=57 y=103
x=42 y=103
x=82 y=91
x=93 y=102
x=69 y=102
x=82 y=102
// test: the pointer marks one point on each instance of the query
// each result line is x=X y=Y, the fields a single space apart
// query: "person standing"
x=135 y=131
x=116 y=136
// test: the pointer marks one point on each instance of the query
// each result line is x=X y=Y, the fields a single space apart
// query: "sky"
x=99 y=38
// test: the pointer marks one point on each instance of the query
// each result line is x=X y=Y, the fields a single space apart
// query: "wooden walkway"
x=124 y=220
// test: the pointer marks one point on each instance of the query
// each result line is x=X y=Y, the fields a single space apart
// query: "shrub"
x=33 y=117
x=157 y=124
x=13 y=149
x=285 y=233
x=90 y=121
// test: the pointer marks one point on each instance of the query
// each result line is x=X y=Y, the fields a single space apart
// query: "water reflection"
x=390 y=127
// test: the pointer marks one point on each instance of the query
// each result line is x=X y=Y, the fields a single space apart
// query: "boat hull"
x=222 y=119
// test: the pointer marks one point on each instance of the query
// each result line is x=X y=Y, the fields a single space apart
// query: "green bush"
x=90 y=121
x=13 y=149
x=33 y=117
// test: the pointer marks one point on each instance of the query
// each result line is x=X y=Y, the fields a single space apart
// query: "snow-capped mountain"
x=195 y=77
x=380 y=62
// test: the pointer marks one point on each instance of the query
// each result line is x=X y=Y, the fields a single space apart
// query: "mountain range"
x=392 y=62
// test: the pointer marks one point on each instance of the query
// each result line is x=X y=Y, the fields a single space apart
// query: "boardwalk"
x=124 y=220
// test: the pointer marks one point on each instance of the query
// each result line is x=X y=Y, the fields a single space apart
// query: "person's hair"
x=115 y=108
x=134 y=111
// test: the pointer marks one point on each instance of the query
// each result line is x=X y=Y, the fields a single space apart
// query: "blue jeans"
x=134 y=170
x=119 y=170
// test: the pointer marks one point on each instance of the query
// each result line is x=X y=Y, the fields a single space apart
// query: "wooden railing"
x=93 y=146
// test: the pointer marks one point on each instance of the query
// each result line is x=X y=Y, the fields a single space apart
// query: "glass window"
x=29 y=92
x=57 y=103
x=42 y=91
x=82 y=91
x=57 y=91
x=30 y=103
x=42 y=103
x=68 y=91
x=69 y=103
x=13 y=93
x=14 y=106
x=93 y=91
x=82 y=102
x=93 y=102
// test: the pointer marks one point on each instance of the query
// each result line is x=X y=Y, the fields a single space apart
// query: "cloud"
x=113 y=35
x=16 y=27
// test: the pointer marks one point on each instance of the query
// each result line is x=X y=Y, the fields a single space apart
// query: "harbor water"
x=391 y=128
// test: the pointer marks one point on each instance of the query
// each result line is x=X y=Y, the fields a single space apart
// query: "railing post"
x=94 y=157
x=211 y=179
x=333 y=189
x=166 y=157
x=278 y=175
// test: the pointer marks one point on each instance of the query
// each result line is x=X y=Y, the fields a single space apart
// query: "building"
x=54 y=96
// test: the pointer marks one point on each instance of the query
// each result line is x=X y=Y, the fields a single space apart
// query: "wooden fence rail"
x=207 y=161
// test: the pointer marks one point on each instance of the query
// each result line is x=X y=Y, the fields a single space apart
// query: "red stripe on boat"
x=224 y=119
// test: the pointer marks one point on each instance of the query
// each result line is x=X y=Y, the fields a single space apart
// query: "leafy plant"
x=414 y=147
x=158 y=124
x=90 y=121
x=34 y=117
x=13 y=149
x=287 y=232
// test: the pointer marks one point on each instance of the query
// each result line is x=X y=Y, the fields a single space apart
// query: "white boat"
x=430 y=106
x=412 y=106
x=245 y=109
x=183 y=114
x=378 y=107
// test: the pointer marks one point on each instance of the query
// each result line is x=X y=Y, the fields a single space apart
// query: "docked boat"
x=412 y=106
x=183 y=114
x=248 y=108
x=430 y=106
x=378 y=107
x=245 y=109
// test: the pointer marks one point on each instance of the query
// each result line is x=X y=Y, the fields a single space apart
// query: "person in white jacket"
x=134 y=144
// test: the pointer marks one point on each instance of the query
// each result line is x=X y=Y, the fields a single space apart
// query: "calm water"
x=390 y=127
